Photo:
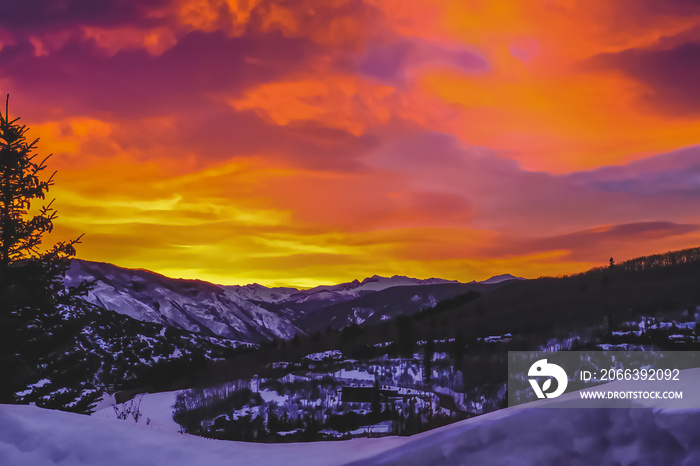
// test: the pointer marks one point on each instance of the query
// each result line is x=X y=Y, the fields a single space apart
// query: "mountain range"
x=255 y=313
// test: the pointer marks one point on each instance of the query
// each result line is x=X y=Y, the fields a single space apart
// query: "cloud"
x=343 y=102
x=213 y=133
x=655 y=8
x=391 y=60
x=597 y=242
x=675 y=174
x=43 y=16
x=539 y=211
x=81 y=78
x=671 y=75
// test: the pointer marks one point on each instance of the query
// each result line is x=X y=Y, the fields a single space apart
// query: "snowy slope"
x=155 y=410
x=256 y=292
x=191 y=305
x=31 y=436
x=525 y=436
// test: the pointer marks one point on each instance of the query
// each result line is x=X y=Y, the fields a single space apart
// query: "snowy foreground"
x=523 y=436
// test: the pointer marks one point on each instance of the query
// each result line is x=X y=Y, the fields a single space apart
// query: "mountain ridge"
x=250 y=313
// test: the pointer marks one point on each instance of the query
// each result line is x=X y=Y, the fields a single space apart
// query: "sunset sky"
x=313 y=142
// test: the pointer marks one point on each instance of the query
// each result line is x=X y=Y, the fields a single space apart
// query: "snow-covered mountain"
x=355 y=289
x=192 y=305
x=378 y=306
x=255 y=313
x=295 y=304
x=259 y=293
x=371 y=300
x=500 y=278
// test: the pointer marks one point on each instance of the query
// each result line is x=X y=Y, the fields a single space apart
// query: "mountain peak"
x=375 y=278
x=501 y=278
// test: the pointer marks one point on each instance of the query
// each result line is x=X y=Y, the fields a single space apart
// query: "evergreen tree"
x=428 y=352
x=39 y=316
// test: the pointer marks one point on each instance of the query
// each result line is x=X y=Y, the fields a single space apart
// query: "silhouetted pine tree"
x=39 y=316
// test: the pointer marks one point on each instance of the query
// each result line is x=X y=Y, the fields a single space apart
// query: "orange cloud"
x=321 y=141
x=341 y=102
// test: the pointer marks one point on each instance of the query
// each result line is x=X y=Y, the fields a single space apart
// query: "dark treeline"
x=668 y=259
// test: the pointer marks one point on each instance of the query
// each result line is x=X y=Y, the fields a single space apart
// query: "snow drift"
x=524 y=436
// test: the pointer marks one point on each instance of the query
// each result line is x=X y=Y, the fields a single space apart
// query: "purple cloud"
x=392 y=60
x=42 y=16
x=512 y=200
x=671 y=74
x=216 y=132
x=673 y=174
x=83 y=79
x=594 y=244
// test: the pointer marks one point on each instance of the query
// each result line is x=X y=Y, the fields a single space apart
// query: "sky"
x=318 y=141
